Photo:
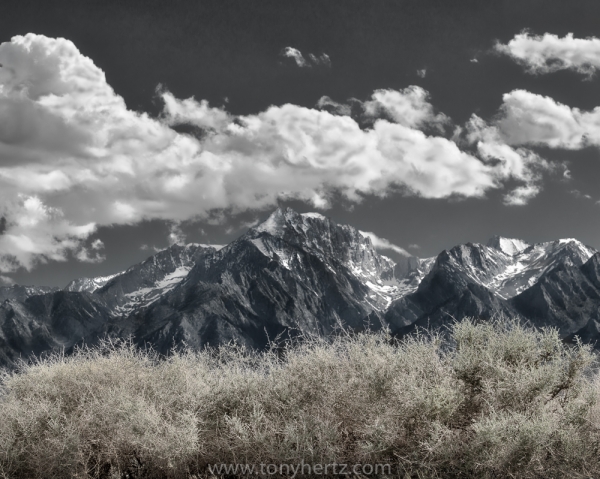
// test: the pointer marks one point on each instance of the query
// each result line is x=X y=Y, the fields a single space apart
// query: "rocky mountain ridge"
x=304 y=273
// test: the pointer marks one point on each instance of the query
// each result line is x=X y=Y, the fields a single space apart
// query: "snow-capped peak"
x=569 y=241
x=290 y=232
x=90 y=284
x=274 y=224
x=202 y=245
x=509 y=246
x=281 y=218
x=585 y=252
x=317 y=216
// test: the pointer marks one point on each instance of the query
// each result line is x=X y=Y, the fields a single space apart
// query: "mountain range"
x=303 y=273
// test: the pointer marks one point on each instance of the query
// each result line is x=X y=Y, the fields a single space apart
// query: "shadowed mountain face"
x=506 y=277
x=568 y=298
x=292 y=273
x=302 y=273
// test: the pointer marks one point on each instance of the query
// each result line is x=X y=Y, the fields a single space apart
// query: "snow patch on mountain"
x=316 y=216
x=274 y=224
x=145 y=296
x=21 y=293
x=524 y=268
x=90 y=284
x=217 y=247
x=288 y=232
x=509 y=246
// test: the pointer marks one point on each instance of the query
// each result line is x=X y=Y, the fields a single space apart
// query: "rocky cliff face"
x=293 y=273
x=507 y=277
x=21 y=293
x=302 y=273
x=567 y=297
x=34 y=320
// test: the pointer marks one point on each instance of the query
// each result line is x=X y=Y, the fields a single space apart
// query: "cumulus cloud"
x=528 y=118
x=422 y=72
x=409 y=107
x=549 y=53
x=73 y=157
x=37 y=232
x=521 y=164
x=382 y=243
x=192 y=112
x=6 y=281
x=313 y=60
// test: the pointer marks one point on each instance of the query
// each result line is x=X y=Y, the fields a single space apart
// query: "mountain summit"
x=508 y=246
x=298 y=273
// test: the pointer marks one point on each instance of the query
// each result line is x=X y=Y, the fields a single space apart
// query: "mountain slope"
x=508 y=277
x=49 y=321
x=144 y=283
x=21 y=293
x=303 y=273
x=292 y=273
x=33 y=320
x=454 y=288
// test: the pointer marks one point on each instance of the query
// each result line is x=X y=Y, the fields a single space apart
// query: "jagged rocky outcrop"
x=540 y=283
x=34 y=320
x=21 y=293
x=566 y=297
x=293 y=273
x=49 y=321
x=454 y=288
x=303 y=273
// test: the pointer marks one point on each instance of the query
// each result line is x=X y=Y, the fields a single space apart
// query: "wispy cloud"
x=521 y=195
x=249 y=224
x=326 y=103
x=313 y=60
x=579 y=194
x=382 y=243
x=322 y=59
x=176 y=235
x=153 y=248
x=91 y=254
x=548 y=53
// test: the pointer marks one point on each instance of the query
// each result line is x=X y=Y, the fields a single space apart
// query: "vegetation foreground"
x=495 y=400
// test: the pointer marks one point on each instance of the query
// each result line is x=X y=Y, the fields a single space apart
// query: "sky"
x=129 y=126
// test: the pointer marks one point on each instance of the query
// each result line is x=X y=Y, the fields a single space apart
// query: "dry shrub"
x=496 y=400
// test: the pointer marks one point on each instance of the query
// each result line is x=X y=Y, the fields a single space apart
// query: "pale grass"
x=489 y=400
